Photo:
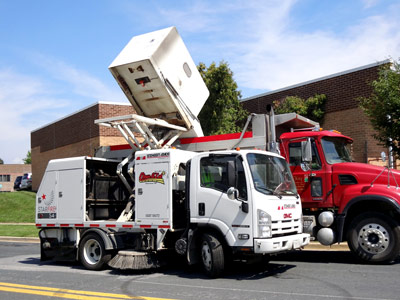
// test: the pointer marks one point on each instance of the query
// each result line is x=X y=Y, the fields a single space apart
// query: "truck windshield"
x=336 y=150
x=271 y=175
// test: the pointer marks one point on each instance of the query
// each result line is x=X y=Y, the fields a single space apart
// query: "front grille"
x=285 y=227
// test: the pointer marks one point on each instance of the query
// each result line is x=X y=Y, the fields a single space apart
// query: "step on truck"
x=209 y=206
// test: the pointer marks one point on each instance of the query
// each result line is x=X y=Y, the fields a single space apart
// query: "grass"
x=17 y=207
x=19 y=230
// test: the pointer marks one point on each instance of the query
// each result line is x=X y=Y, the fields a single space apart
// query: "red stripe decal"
x=79 y=225
x=164 y=226
x=51 y=225
x=94 y=225
x=214 y=138
x=38 y=225
x=64 y=225
x=127 y=226
x=111 y=225
x=120 y=147
x=145 y=226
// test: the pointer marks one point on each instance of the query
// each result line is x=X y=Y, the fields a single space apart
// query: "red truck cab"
x=343 y=200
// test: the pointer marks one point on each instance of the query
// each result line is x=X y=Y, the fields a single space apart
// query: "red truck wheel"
x=374 y=237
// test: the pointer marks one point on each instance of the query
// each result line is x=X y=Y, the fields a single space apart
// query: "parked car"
x=26 y=182
x=17 y=182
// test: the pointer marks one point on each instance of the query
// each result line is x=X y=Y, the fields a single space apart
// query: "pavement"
x=313 y=246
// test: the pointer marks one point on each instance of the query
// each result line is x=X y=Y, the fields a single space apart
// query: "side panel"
x=46 y=203
x=153 y=193
x=70 y=195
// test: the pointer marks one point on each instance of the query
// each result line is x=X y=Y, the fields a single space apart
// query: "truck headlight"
x=264 y=224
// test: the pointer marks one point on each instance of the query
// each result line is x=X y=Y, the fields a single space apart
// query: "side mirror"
x=233 y=193
x=383 y=156
x=306 y=153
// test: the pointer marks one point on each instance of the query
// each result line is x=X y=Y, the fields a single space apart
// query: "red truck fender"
x=364 y=203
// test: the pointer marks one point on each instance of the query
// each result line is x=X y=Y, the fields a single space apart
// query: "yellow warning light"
x=237 y=148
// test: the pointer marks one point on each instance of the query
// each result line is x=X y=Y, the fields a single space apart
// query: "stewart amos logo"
x=156 y=177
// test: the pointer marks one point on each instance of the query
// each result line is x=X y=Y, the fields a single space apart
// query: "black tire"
x=212 y=255
x=92 y=252
x=374 y=238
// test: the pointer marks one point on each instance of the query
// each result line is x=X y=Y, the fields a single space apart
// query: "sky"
x=54 y=55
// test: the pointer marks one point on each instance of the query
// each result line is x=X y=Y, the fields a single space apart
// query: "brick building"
x=74 y=135
x=8 y=174
x=342 y=111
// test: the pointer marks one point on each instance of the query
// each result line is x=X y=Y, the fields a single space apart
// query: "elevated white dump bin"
x=160 y=79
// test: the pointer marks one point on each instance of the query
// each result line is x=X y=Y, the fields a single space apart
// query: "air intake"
x=347 y=179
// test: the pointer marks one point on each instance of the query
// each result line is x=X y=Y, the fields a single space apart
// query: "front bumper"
x=283 y=243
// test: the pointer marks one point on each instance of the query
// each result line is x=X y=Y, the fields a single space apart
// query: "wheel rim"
x=373 y=238
x=206 y=256
x=92 y=252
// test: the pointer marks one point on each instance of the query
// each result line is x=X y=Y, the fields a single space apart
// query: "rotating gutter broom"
x=134 y=260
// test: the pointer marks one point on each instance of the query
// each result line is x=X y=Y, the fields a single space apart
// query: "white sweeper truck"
x=209 y=206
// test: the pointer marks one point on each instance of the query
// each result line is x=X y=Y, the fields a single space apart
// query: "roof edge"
x=378 y=63
x=80 y=110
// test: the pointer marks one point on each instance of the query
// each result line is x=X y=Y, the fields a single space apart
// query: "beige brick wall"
x=14 y=170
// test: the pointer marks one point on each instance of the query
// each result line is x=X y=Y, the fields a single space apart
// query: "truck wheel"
x=212 y=255
x=92 y=252
x=374 y=237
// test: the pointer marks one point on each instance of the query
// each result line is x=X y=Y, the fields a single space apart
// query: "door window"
x=221 y=172
x=295 y=155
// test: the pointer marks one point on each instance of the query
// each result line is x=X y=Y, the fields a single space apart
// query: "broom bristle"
x=134 y=260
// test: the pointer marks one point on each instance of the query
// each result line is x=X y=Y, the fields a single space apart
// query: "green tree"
x=222 y=112
x=1 y=162
x=312 y=108
x=28 y=160
x=383 y=106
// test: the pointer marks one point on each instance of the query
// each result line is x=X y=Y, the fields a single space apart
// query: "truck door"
x=312 y=184
x=217 y=173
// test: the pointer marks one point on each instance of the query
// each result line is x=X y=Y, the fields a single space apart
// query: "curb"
x=315 y=246
x=14 y=239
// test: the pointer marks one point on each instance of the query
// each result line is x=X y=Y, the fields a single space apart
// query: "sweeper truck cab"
x=207 y=205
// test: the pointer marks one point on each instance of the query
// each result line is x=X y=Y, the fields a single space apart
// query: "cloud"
x=266 y=46
x=31 y=101
x=277 y=55
x=23 y=103
x=78 y=80
x=369 y=3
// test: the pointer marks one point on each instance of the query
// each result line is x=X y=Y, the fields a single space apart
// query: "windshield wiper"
x=271 y=191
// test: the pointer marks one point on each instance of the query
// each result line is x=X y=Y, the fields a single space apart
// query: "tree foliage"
x=28 y=160
x=312 y=108
x=222 y=112
x=1 y=162
x=383 y=106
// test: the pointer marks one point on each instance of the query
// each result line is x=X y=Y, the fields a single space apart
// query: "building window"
x=5 y=178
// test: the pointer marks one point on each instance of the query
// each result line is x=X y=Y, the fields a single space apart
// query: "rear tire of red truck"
x=212 y=255
x=374 y=237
